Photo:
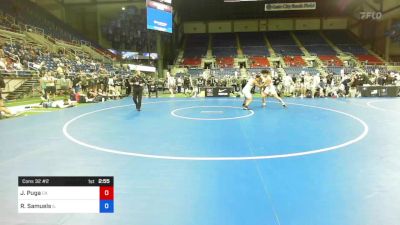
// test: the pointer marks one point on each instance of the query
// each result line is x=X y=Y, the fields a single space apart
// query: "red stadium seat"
x=294 y=61
x=259 y=61
x=191 y=61
x=370 y=60
x=330 y=60
x=225 y=62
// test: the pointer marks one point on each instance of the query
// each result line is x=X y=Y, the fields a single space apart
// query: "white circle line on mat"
x=174 y=113
x=370 y=104
x=227 y=158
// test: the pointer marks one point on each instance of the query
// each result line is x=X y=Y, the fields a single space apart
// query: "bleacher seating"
x=191 y=62
x=224 y=40
x=395 y=58
x=224 y=51
x=257 y=70
x=314 y=43
x=336 y=70
x=195 y=72
x=310 y=38
x=255 y=51
x=21 y=15
x=283 y=44
x=345 y=42
x=224 y=45
x=353 y=49
x=194 y=52
x=33 y=58
x=340 y=37
x=223 y=72
x=109 y=67
x=253 y=44
x=369 y=60
x=225 y=62
x=280 y=38
x=330 y=60
x=29 y=13
x=7 y=23
x=320 y=50
x=298 y=70
x=372 y=69
x=287 y=50
x=294 y=61
x=128 y=31
x=259 y=61
x=196 y=46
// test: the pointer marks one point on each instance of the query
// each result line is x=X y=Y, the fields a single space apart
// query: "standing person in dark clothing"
x=346 y=83
x=186 y=84
x=137 y=90
x=152 y=86
x=127 y=87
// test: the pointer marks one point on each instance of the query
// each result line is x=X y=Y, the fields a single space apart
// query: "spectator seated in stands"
x=113 y=93
x=93 y=96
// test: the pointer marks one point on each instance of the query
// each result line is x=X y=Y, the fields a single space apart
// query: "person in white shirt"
x=110 y=83
x=17 y=66
x=298 y=86
x=171 y=83
x=397 y=75
x=268 y=88
x=288 y=85
x=194 y=83
x=315 y=84
x=307 y=83
x=248 y=97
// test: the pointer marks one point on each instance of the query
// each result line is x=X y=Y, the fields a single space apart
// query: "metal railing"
x=86 y=43
x=37 y=30
x=12 y=56
x=393 y=63
x=8 y=89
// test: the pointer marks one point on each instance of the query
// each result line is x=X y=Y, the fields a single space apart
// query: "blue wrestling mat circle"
x=327 y=166
x=211 y=130
x=211 y=113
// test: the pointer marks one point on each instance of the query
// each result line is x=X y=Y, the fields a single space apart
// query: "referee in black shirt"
x=137 y=89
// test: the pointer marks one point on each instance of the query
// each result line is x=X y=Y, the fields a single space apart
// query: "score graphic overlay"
x=65 y=194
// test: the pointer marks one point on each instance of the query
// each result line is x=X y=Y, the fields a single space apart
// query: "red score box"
x=106 y=193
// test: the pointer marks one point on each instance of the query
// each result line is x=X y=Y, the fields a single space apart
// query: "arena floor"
x=206 y=161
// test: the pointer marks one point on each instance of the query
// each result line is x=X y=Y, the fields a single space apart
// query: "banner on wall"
x=290 y=6
x=142 y=68
x=217 y=92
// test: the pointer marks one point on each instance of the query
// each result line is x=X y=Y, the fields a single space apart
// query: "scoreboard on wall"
x=65 y=194
x=159 y=15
